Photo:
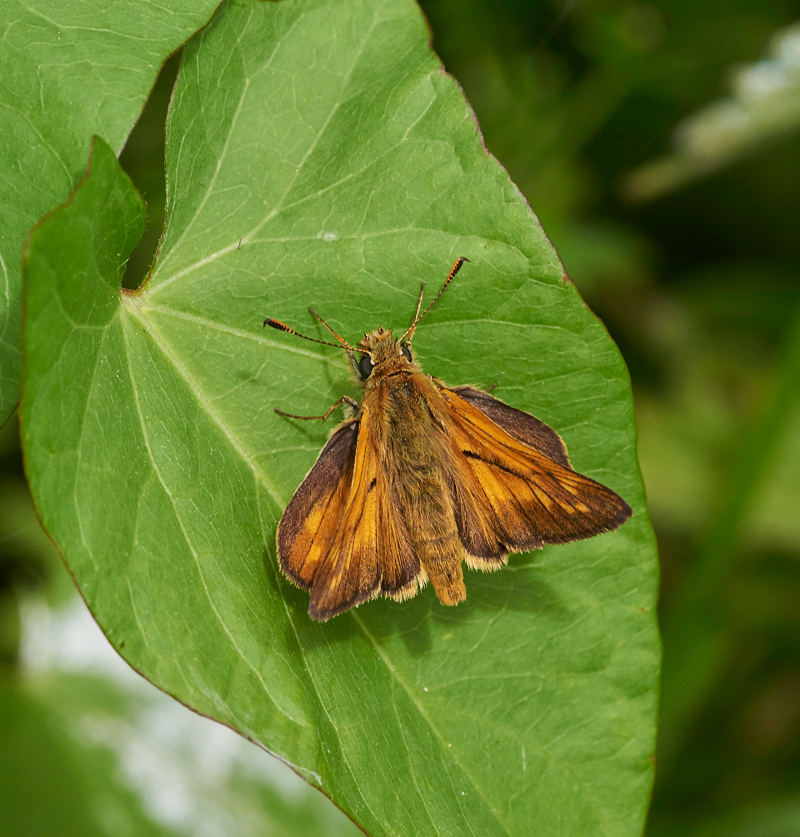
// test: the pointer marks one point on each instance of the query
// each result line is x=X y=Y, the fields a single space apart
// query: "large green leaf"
x=69 y=70
x=318 y=154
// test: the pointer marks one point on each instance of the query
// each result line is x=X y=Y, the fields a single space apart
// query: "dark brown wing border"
x=523 y=426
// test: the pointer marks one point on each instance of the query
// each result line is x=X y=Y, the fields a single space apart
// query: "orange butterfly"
x=421 y=477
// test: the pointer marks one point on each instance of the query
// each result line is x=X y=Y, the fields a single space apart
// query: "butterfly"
x=421 y=478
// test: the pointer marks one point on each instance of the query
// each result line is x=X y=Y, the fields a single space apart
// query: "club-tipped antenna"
x=342 y=344
x=283 y=327
x=409 y=335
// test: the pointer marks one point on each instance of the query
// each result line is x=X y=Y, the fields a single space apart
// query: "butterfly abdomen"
x=423 y=496
x=428 y=515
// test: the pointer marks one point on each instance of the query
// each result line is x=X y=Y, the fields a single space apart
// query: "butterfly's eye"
x=406 y=351
x=365 y=366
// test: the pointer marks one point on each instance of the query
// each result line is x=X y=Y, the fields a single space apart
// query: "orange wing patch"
x=402 y=575
x=349 y=573
x=341 y=536
x=308 y=526
x=526 y=499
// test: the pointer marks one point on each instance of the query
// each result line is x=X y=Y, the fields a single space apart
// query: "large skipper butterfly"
x=421 y=477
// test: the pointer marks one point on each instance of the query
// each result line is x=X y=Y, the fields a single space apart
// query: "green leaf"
x=69 y=70
x=318 y=154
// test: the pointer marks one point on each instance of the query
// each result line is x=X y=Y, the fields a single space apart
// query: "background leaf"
x=119 y=757
x=763 y=107
x=317 y=153
x=69 y=70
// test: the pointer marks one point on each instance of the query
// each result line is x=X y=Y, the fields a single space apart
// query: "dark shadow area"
x=143 y=160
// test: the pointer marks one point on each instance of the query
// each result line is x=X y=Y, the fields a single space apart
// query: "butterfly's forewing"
x=311 y=520
x=370 y=551
x=524 y=497
x=349 y=574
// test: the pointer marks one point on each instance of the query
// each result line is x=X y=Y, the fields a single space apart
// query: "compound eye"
x=406 y=351
x=365 y=366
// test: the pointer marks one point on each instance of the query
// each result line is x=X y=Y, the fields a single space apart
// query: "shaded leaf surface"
x=69 y=70
x=318 y=154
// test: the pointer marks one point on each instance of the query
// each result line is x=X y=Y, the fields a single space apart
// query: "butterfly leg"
x=345 y=399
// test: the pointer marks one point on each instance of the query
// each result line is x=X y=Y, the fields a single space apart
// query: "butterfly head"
x=383 y=353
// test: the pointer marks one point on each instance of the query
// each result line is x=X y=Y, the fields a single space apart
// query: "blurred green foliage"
x=700 y=290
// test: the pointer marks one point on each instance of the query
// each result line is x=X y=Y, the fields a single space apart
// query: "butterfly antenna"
x=340 y=339
x=409 y=335
x=342 y=344
x=419 y=301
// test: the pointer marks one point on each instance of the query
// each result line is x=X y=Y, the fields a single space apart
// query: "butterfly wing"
x=311 y=519
x=370 y=553
x=339 y=537
x=522 y=492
